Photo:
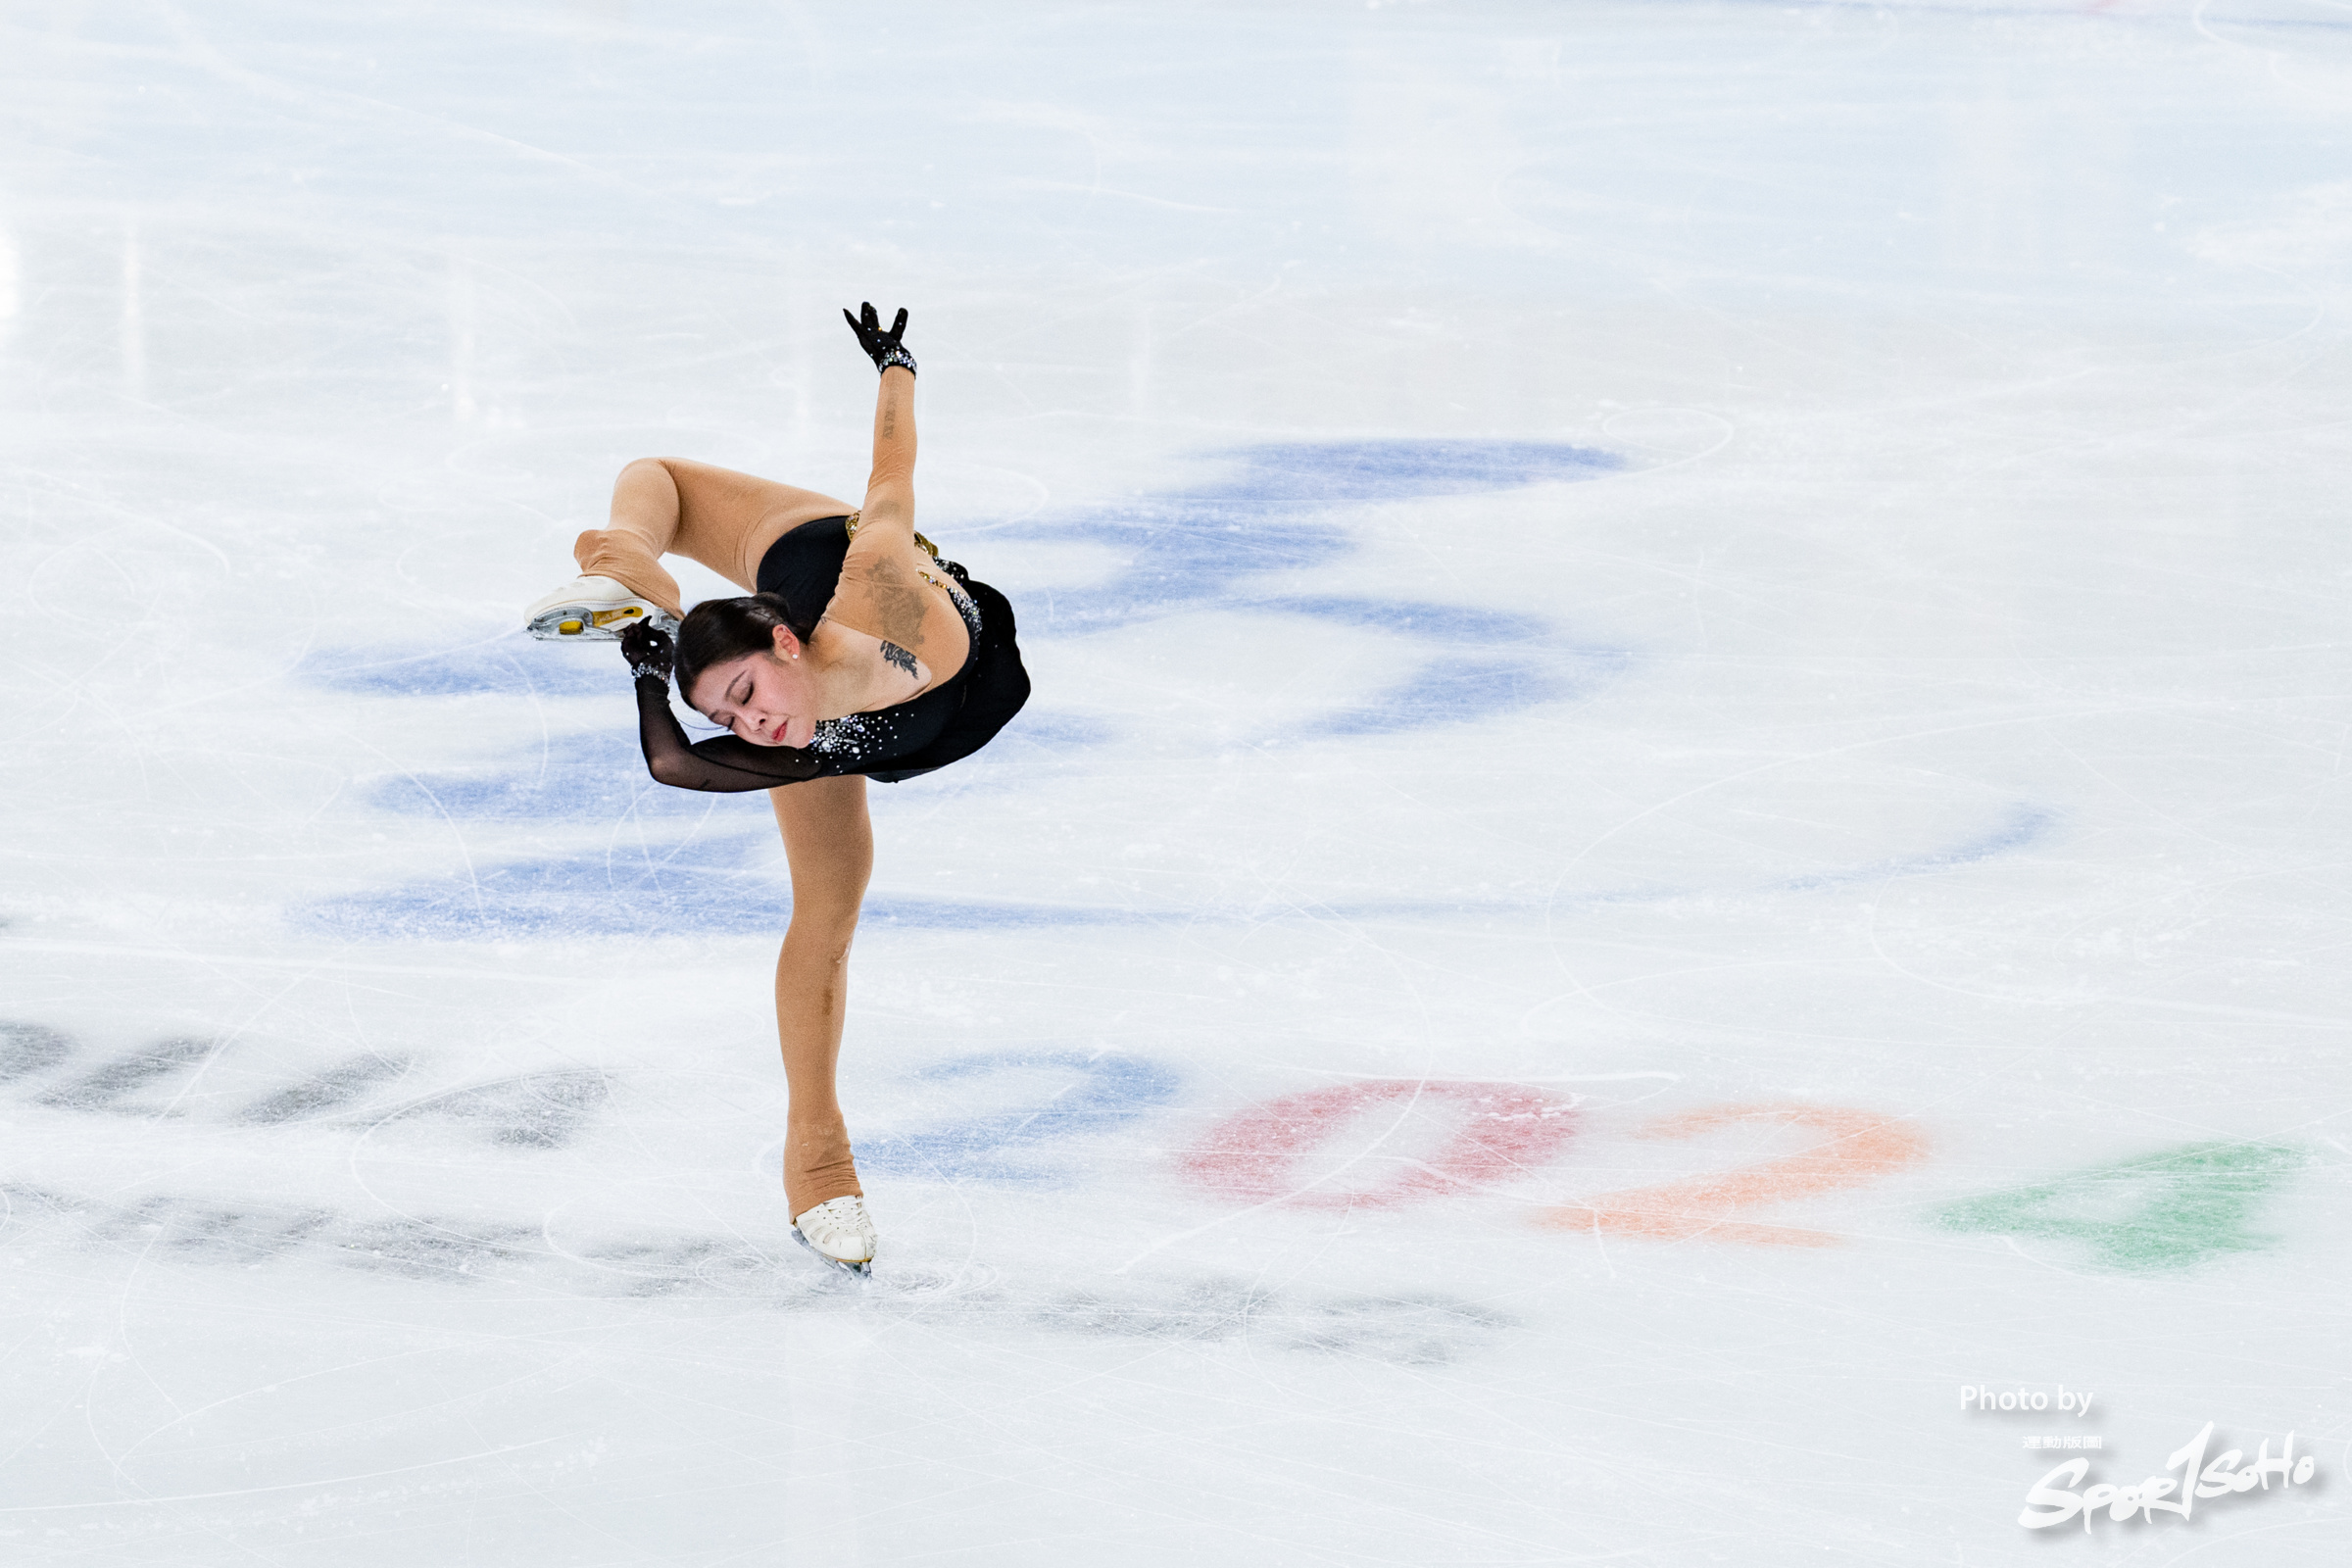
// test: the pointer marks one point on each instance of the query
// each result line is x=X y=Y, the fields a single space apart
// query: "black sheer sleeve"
x=727 y=765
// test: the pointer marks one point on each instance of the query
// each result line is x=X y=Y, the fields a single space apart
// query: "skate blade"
x=864 y=1269
x=590 y=623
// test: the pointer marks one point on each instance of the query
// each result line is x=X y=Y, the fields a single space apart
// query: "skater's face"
x=769 y=698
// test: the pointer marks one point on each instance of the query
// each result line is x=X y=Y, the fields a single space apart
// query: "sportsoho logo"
x=2053 y=1500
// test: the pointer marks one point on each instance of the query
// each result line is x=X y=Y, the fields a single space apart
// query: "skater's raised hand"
x=883 y=348
x=648 y=650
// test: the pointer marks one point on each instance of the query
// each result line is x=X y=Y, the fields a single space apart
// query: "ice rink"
x=1687 y=790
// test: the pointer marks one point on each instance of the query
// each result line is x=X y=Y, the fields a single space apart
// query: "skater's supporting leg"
x=829 y=840
x=668 y=506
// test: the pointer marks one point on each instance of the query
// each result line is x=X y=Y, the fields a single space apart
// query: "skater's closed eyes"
x=858 y=653
x=768 y=697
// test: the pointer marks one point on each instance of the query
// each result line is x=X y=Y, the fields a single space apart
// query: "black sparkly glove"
x=883 y=348
x=648 y=650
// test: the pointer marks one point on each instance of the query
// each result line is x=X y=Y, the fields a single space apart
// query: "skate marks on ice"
x=2168 y=1210
x=2021 y=827
x=2203 y=15
x=1412 y=1327
x=1005 y=1118
x=1485 y=1135
x=511 y=664
x=1049 y=1118
x=166 y=1081
x=1351 y=1147
x=1856 y=1148
x=1394 y=1143
x=1187 y=550
x=735 y=885
x=1422 y=1328
x=29 y=1048
x=1389 y=1143
x=1081 y=1095
x=1270 y=511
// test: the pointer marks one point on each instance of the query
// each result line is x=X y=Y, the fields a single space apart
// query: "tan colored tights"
x=670 y=507
x=829 y=841
x=726 y=520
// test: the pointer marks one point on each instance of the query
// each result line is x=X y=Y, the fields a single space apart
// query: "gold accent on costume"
x=849 y=524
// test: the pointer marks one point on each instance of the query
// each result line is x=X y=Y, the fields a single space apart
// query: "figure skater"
x=859 y=655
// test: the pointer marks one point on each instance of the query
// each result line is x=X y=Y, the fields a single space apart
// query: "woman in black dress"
x=859 y=655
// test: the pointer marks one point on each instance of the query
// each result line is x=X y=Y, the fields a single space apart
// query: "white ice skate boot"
x=593 y=610
x=839 y=1233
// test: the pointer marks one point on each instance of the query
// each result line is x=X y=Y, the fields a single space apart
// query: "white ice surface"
x=1675 y=556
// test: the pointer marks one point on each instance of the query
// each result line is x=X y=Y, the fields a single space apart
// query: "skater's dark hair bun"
x=719 y=630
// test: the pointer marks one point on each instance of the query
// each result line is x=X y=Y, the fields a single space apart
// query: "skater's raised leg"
x=668 y=506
